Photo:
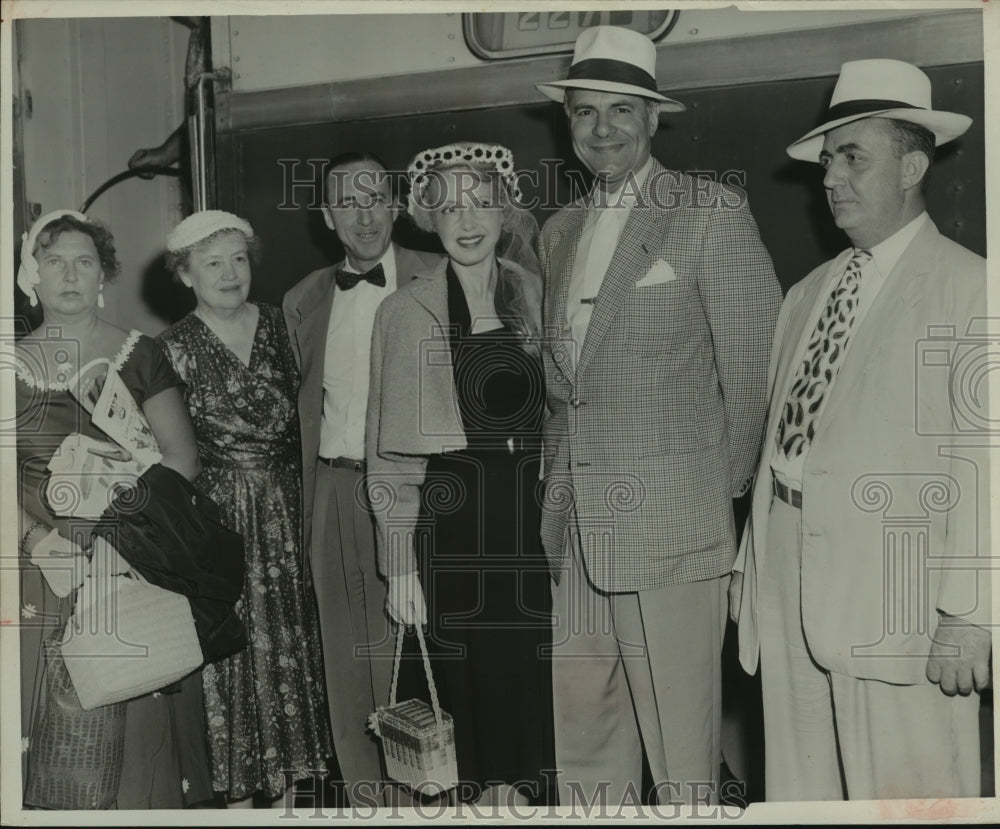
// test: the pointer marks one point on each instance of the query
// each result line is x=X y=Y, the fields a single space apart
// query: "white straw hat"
x=883 y=88
x=203 y=224
x=612 y=59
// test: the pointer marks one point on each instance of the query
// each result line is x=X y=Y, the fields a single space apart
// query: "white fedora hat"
x=612 y=59
x=883 y=88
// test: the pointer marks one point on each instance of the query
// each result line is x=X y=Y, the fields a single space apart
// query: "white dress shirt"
x=601 y=231
x=346 y=369
x=885 y=255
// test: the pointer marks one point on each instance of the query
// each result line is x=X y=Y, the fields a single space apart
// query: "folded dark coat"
x=173 y=536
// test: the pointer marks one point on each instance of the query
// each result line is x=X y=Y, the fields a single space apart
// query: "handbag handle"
x=435 y=703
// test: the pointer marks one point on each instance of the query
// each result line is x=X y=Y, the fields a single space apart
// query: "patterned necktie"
x=347 y=279
x=822 y=360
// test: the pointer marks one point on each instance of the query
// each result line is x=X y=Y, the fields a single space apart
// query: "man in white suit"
x=330 y=315
x=861 y=582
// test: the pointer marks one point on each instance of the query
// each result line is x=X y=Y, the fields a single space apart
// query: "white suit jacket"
x=895 y=494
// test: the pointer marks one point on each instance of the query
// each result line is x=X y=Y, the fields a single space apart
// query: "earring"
x=100 y=295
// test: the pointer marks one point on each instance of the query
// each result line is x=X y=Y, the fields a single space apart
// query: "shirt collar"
x=887 y=253
x=626 y=195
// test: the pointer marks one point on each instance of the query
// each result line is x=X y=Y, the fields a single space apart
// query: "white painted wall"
x=102 y=88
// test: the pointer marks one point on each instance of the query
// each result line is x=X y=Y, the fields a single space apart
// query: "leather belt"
x=790 y=496
x=345 y=463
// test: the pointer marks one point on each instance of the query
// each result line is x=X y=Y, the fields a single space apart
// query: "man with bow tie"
x=660 y=306
x=862 y=583
x=330 y=315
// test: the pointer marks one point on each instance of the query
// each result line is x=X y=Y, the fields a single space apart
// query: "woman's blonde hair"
x=519 y=285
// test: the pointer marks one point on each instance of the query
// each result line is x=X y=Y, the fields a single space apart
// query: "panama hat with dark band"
x=612 y=59
x=881 y=88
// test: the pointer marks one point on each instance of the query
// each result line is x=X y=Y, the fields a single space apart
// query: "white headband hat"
x=612 y=59
x=27 y=273
x=203 y=224
x=883 y=88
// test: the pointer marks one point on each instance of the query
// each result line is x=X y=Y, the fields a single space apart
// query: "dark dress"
x=266 y=706
x=485 y=578
x=166 y=758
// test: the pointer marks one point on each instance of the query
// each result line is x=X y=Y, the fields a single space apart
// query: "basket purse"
x=418 y=741
x=127 y=637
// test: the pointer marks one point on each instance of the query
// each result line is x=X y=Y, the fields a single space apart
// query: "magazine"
x=88 y=474
x=115 y=411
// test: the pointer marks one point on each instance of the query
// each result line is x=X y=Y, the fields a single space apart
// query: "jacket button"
x=576 y=402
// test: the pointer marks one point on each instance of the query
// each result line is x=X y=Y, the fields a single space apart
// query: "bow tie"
x=347 y=280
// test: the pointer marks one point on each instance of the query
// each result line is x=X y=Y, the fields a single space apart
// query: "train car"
x=277 y=95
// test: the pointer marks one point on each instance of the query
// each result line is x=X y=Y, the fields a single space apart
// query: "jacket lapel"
x=564 y=245
x=430 y=289
x=310 y=335
x=408 y=265
x=629 y=263
x=801 y=321
x=871 y=335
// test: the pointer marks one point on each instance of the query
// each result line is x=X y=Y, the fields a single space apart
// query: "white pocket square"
x=658 y=274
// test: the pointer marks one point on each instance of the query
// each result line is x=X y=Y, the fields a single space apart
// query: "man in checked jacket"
x=660 y=307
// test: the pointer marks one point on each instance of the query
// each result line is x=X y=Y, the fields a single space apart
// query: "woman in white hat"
x=265 y=706
x=66 y=261
x=453 y=450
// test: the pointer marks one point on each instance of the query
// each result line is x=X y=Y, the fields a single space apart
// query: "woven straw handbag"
x=418 y=741
x=126 y=638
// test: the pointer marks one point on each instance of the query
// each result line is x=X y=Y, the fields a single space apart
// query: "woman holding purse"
x=453 y=451
x=66 y=260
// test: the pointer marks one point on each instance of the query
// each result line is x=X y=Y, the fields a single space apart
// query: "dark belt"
x=345 y=463
x=790 y=496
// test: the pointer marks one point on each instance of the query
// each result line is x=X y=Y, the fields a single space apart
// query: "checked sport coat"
x=658 y=426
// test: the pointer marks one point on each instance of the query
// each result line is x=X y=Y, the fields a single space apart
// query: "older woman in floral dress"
x=266 y=706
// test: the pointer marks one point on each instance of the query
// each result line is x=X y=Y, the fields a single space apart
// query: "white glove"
x=404 y=601
x=61 y=561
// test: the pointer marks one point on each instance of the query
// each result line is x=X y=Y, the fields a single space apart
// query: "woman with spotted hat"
x=454 y=414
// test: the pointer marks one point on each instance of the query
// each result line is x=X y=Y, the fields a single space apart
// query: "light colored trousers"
x=626 y=665
x=357 y=645
x=891 y=741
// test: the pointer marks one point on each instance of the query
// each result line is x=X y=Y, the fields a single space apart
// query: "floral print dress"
x=265 y=706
